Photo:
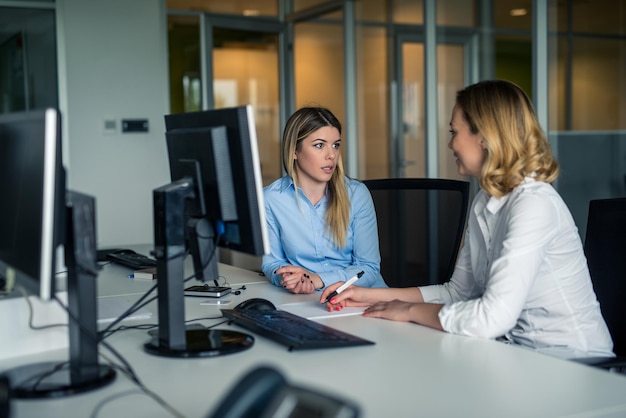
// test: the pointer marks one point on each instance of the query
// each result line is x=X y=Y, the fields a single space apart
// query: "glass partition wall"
x=28 y=65
x=368 y=61
x=388 y=68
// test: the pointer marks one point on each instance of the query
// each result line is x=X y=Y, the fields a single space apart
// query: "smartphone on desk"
x=207 y=291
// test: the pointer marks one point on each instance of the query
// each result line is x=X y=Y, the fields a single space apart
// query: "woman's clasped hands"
x=297 y=280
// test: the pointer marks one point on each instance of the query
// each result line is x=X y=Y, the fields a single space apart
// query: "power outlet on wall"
x=110 y=127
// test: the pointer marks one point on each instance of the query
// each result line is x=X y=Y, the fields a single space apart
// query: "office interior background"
x=388 y=68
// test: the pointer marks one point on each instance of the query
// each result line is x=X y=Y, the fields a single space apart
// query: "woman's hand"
x=298 y=280
x=352 y=296
x=397 y=310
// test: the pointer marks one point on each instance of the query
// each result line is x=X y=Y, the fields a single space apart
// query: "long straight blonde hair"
x=300 y=125
x=516 y=146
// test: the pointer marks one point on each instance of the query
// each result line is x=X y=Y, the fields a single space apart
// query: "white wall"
x=113 y=66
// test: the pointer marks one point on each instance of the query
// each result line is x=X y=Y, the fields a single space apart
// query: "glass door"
x=217 y=62
x=28 y=62
x=242 y=66
x=410 y=148
x=319 y=57
x=245 y=69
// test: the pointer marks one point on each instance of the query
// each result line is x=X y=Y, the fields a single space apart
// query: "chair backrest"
x=420 y=228
x=605 y=249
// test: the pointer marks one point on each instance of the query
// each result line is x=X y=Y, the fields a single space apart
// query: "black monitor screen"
x=231 y=178
x=33 y=198
x=36 y=217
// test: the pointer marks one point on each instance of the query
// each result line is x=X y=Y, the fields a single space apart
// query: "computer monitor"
x=37 y=216
x=243 y=218
x=215 y=197
x=32 y=191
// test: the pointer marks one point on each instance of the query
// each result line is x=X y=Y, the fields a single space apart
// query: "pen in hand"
x=344 y=286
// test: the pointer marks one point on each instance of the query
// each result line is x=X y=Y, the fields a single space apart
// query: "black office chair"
x=420 y=228
x=605 y=249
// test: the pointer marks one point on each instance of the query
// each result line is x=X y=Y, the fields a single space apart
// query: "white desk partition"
x=411 y=371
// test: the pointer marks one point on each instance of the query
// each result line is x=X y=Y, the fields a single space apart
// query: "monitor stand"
x=172 y=228
x=83 y=372
x=54 y=380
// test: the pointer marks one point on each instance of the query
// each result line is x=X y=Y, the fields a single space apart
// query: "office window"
x=184 y=63
x=515 y=14
x=245 y=71
x=599 y=16
x=373 y=102
x=408 y=12
x=456 y=13
x=513 y=60
x=372 y=10
x=449 y=12
x=299 y=5
x=588 y=102
x=599 y=84
x=318 y=55
x=590 y=66
x=235 y=7
x=28 y=65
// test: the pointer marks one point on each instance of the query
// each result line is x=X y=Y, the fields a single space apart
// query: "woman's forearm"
x=406 y=294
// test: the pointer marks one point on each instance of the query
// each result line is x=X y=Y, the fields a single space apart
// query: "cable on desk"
x=143 y=389
x=140 y=302
x=127 y=327
x=151 y=326
x=95 y=338
x=31 y=313
x=133 y=308
x=127 y=369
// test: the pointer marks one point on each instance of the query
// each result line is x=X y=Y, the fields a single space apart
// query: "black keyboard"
x=294 y=331
x=131 y=259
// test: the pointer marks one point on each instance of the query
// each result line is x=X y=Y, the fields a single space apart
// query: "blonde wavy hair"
x=516 y=146
x=301 y=124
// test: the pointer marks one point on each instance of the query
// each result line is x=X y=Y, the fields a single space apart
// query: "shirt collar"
x=286 y=183
x=494 y=204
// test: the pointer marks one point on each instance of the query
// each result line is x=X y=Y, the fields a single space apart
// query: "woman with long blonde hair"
x=322 y=224
x=521 y=275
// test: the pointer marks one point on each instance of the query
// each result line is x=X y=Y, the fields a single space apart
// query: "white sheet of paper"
x=111 y=307
x=315 y=310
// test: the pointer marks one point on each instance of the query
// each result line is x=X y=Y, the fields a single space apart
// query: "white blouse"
x=522 y=273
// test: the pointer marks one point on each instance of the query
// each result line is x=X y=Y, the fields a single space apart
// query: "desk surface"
x=410 y=371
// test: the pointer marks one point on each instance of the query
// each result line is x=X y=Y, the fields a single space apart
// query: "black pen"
x=344 y=286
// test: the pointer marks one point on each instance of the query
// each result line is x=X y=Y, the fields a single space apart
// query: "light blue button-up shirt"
x=298 y=235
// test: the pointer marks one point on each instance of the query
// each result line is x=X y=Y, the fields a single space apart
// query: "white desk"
x=411 y=371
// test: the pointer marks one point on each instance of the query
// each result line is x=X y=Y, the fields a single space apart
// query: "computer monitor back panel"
x=192 y=214
x=248 y=233
x=32 y=194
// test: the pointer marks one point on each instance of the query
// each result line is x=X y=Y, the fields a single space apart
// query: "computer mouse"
x=256 y=303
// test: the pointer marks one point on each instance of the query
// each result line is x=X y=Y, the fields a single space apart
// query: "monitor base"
x=54 y=380
x=203 y=343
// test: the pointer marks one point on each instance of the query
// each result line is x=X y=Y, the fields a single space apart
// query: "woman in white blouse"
x=521 y=274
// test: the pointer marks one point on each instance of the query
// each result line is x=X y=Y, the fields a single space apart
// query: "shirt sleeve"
x=276 y=257
x=523 y=245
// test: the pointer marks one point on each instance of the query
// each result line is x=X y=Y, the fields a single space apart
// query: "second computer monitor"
x=215 y=196
x=241 y=224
